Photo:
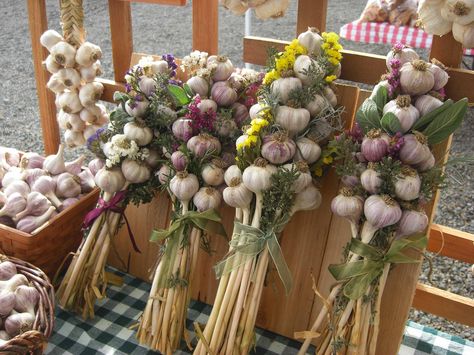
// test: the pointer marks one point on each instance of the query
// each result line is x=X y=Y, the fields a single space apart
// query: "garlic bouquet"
x=389 y=175
x=277 y=155
x=442 y=17
x=34 y=189
x=198 y=147
x=74 y=68
x=128 y=154
x=264 y=9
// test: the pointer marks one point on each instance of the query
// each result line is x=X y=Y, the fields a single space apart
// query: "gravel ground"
x=157 y=31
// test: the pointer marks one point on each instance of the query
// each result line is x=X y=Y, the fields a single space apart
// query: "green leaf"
x=423 y=121
x=445 y=123
x=120 y=96
x=188 y=90
x=368 y=116
x=179 y=94
x=380 y=96
x=390 y=123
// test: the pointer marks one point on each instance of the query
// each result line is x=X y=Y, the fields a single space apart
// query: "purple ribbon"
x=112 y=205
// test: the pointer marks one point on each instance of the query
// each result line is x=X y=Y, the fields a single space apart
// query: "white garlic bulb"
x=330 y=96
x=213 y=173
x=303 y=65
x=207 y=198
x=458 y=11
x=271 y=9
x=110 y=180
x=50 y=65
x=293 y=120
x=73 y=138
x=237 y=195
x=311 y=40
x=283 y=86
x=69 y=102
x=49 y=38
x=55 y=84
x=87 y=54
x=406 y=113
x=232 y=172
x=63 y=54
x=134 y=171
x=138 y=132
x=415 y=78
x=317 y=105
x=257 y=176
x=464 y=34
x=69 y=77
x=184 y=186
x=307 y=150
x=90 y=93
x=429 y=16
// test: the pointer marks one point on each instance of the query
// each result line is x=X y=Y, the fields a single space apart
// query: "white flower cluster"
x=120 y=147
x=207 y=71
x=194 y=61
x=250 y=75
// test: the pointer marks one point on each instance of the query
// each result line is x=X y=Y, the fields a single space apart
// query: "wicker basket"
x=48 y=247
x=34 y=341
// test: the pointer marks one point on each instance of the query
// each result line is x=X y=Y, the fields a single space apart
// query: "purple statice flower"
x=393 y=78
x=398 y=46
x=395 y=145
x=355 y=133
x=93 y=142
x=138 y=97
x=128 y=87
x=201 y=121
x=169 y=58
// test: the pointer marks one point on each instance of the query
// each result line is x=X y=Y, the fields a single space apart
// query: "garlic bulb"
x=147 y=85
x=94 y=114
x=255 y=110
x=136 y=108
x=110 y=180
x=317 y=105
x=427 y=103
x=18 y=186
x=303 y=64
x=199 y=86
x=426 y=164
x=68 y=185
x=347 y=205
x=95 y=165
x=68 y=202
x=414 y=149
x=86 y=180
x=31 y=160
x=87 y=54
x=69 y=102
x=429 y=16
x=458 y=11
x=232 y=172
x=283 y=86
x=89 y=73
x=240 y=113
x=370 y=179
x=203 y=144
x=213 y=173
x=278 y=148
x=440 y=75
x=311 y=40
x=415 y=78
x=50 y=65
x=89 y=131
x=69 y=77
x=407 y=185
x=12 y=176
x=19 y=322
x=63 y=54
x=293 y=120
x=7 y=270
x=183 y=129
x=179 y=160
x=207 y=105
x=257 y=176
x=236 y=6
x=164 y=174
x=54 y=164
x=375 y=145
x=304 y=178
x=307 y=150
x=26 y=299
x=406 y=113
x=272 y=9
x=223 y=94
x=308 y=199
x=46 y=186
x=207 y=198
x=14 y=204
x=403 y=53
x=330 y=96
x=237 y=195
x=49 y=38
x=90 y=93
x=55 y=84
x=223 y=67
x=138 y=131
x=74 y=122
x=184 y=186
x=134 y=171
x=73 y=138
x=382 y=211
x=464 y=34
x=412 y=222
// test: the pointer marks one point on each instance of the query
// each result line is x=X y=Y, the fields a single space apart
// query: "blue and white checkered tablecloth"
x=109 y=332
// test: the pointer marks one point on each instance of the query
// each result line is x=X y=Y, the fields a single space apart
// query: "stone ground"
x=159 y=29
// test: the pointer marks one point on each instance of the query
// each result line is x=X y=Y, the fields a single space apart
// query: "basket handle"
x=31 y=342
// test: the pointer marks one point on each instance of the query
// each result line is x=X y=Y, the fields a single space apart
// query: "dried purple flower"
x=395 y=145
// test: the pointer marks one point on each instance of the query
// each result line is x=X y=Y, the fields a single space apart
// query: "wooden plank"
x=205 y=26
x=160 y=2
x=110 y=86
x=311 y=13
x=122 y=38
x=452 y=243
x=447 y=50
x=38 y=24
x=361 y=67
x=444 y=304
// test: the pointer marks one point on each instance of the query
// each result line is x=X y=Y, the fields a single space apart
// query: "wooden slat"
x=122 y=39
x=110 y=86
x=452 y=243
x=205 y=26
x=38 y=24
x=444 y=304
x=161 y=2
x=362 y=67
x=311 y=13
x=447 y=50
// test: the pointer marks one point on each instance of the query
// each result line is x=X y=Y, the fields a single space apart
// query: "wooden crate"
x=49 y=246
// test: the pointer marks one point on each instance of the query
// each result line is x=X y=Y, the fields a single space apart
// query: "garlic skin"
x=232 y=172
x=136 y=108
x=18 y=186
x=278 y=148
x=272 y=9
x=207 y=198
x=257 y=176
x=412 y=222
x=213 y=173
x=381 y=211
x=87 y=54
x=138 y=132
x=110 y=180
x=223 y=94
x=55 y=84
x=135 y=171
x=95 y=165
x=46 y=186
x=207 y=105
x=68 y=203
x=440 y=75
x=69 y=77
x=49 y=38
x=283 y=86
x=458 y=11
x=90 y=93
x=375 y=145
x=303 y=64
x=293 y=120
x=414 y=149
x=415 y=78
x=183 y=129
x=427 y=103
x=203 y=144
x=432 y=22
x=68 y=185
x=237 y=195
x=406 y=113
x=464 y=34
x=31 y=160
x=63 y=54
x=86 y=180
x=304 y=178
x=347 y=205
x=330 y=96
x=311 y=40
x=307 y=150
x=147 y=85
x=74 y=167
x=54 y=164
x=199 y=86
x=14 y=204
x=407 y=186
x=308 y=199
x=403 y=53
x=426 y=164
x=69 y=102
x=223 y=67
x=19 y=322
x=184 y=186
x=30 y=223
x=164 y=174
x=50 y=65
x=73 y=138
x=179 y=160
x=317 y=105
x=370 y=180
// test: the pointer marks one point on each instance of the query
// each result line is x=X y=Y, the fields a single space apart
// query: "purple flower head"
x=200 y=120
x=398 y=46
x=169 y=58
x=395 y=63
x=175 y=82
x=395 y=145
x=93 y=142
x=128 y=87
x=442 y=92
x=138 y=97
x=356 y=133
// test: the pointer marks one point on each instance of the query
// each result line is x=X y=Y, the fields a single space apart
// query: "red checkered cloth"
x=383 y=32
